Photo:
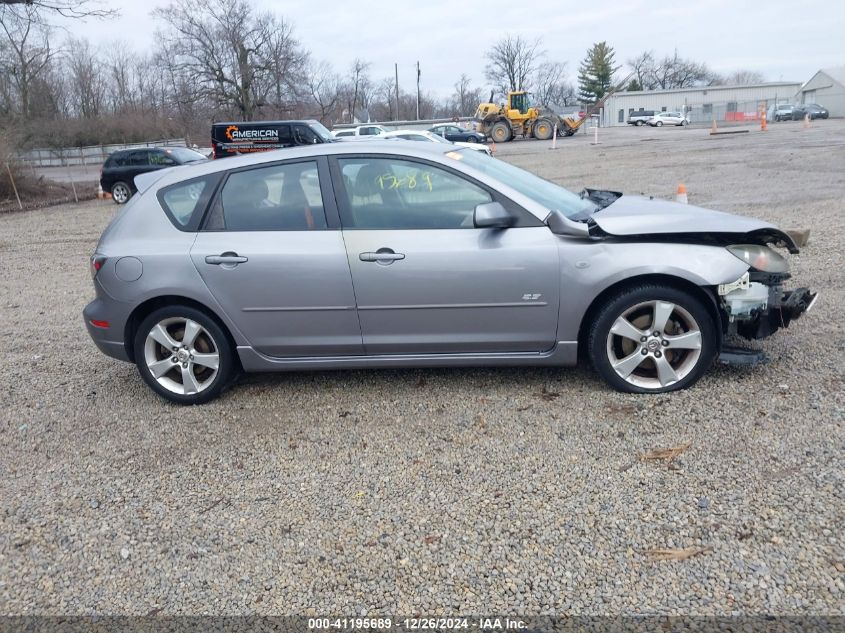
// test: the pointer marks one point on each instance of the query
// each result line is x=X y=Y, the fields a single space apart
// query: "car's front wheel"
x=120 y=192
x=652 y=339
x=659 y=124
x=183 y=355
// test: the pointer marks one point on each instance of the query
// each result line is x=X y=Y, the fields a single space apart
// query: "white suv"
x=668 y=118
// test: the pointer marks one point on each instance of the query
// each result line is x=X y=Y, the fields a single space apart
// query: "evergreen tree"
x=595 y=75
x=634 y=86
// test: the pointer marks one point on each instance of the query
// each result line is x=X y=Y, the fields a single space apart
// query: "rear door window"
x=282 y=197
x=138 y=158
x=118 y=160
x=161 y=159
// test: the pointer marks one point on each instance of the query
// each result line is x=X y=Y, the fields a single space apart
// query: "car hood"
x=639 y=216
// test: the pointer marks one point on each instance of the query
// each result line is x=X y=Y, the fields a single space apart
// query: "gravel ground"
x=436 y=491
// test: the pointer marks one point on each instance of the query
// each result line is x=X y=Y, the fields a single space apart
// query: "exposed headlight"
x=760 y=258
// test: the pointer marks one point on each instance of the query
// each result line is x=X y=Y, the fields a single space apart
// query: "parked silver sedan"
x=401 y=254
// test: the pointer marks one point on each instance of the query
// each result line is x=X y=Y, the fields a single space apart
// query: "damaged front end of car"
x=756 y=305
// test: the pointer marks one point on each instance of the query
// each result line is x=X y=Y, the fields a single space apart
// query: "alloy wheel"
x=181 y=356
x=120 y=193
x=654 y=344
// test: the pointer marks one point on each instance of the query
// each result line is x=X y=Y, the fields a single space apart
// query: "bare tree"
x=742 y=78
x=670 y=72
x=86 y=75
x=119 y=68
x=643 y=66
x=511 y=62
x=287 y=65
x=465 y=99
x=28 y=51
x=382 y=103
x=324 y=88
x=360 y=86
x=550 y=86
x=77 y=9
x=224 y=46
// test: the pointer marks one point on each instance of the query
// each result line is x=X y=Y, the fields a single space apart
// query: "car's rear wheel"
x=638 y=123
x=183 y=355
x=652 y=339
x=120 y=192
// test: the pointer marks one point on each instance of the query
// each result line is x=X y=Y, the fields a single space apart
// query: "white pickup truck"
x=361 y=130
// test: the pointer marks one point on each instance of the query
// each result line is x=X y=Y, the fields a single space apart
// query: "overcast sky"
x=785 y=40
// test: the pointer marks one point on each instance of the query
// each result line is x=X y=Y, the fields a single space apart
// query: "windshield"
x=184 y=155
x=321 y=130
x=551 y=196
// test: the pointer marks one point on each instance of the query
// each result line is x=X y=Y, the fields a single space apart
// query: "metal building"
x=827 y=88
x=704 y=103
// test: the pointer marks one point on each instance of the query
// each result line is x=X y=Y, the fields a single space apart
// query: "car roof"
x=285 y=122
x=399 y=132
x=126 y=150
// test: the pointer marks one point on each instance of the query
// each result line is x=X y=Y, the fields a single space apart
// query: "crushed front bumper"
x=793 y=303
x=756 y=305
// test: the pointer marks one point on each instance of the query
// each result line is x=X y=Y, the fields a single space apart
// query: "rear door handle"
x=384 y=255
x=227 y=258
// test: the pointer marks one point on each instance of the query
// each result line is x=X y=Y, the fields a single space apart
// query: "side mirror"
x=492 y=215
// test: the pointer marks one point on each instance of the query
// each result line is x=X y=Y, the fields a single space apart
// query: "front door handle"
x=381 y=256
x=226 y=259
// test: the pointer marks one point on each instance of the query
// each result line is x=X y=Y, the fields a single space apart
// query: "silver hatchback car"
x=399 y=254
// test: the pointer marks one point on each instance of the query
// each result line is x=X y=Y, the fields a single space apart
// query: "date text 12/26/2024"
x=417 y=624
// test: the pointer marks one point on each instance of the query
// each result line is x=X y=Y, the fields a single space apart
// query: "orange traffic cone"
x=493 y=148
x=713 y=128
x=681 y=196
x=763 y=126
x=806 y=121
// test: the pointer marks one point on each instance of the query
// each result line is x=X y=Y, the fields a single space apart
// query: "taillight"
x=97 y=262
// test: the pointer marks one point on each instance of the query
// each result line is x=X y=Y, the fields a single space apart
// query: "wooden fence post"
x=14 y=186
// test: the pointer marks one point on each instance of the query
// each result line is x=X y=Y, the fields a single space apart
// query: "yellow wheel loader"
x=518 y=117
x=515 y=118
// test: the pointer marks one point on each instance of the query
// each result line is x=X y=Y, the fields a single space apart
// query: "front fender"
x=590 y=268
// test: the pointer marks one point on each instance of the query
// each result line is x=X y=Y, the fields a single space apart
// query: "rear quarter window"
x=185 y=202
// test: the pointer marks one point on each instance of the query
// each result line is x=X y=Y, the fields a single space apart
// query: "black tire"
x=543 y=129
x=477 y=139
x=121 y=192
x=683 y=122
x=209 y=340
x=500 y=132
x=640 y=301
x=659 y=124
x=638 y=123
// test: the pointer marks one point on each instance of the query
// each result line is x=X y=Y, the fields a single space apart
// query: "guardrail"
x=423 y=124
x=89 y=155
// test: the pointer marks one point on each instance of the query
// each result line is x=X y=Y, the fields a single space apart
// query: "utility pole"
x=396 y=68
x=418 y=91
